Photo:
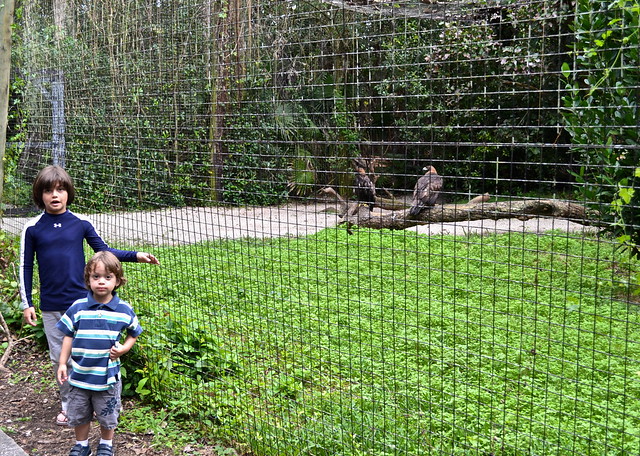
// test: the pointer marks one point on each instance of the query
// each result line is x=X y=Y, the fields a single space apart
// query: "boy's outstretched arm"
x=65 y=352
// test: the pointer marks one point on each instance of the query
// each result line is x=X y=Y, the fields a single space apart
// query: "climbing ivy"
x=602 y=113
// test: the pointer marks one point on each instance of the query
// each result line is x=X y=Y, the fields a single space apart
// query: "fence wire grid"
x=289 y=318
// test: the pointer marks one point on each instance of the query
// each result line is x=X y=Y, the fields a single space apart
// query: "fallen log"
x=390 y=204
x=477 y=209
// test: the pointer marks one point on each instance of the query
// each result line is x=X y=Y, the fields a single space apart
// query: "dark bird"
x=364 y=188
x=426 y=191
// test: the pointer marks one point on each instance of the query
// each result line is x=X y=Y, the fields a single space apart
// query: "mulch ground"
x=29 y=405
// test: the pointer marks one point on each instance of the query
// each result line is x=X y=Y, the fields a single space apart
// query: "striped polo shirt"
x=95 y=328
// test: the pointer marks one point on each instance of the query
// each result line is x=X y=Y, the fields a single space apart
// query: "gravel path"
x=195 y=224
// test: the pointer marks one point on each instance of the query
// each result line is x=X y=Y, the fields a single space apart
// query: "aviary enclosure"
x=289 y=318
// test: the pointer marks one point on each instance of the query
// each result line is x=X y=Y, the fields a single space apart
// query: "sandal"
x=61 y=419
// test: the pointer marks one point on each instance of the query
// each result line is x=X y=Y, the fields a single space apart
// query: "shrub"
x=602 y=113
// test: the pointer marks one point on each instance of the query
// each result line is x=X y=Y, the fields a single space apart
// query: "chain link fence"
x=237 y=140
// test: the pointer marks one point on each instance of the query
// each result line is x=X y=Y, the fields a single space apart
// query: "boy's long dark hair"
x=50 y=177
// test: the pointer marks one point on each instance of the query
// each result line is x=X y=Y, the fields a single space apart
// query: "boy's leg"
x=82 y=432
x=80 y=415
x=107 y=407
x=105 y=447
x=80 y=411
x=107 y=434
x=54 y=340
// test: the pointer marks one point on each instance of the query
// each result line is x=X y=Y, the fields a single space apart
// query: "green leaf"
x=623 y=239
x=626 y=194
x=140 y=389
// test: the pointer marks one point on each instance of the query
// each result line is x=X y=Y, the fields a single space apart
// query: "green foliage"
x=260 y=165
x=601 y=113
x=9 y=293
x=433 y=74
x=168 y=432
x=255 y=173
x=133 y=144
x=182 y=366
x=507 y=344
x=304 y=175
x=16 y=190
x=9 y=246
x=193 y=352
x=164 y=115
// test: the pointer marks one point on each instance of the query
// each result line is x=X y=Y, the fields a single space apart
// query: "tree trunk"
x=217 y=74
x=58 y=122
x=6 y=19
x=60 y=18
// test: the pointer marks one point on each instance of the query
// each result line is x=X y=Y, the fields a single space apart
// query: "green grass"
x=387 y=343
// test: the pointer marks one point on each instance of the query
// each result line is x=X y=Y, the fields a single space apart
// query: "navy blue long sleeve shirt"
x=57 y=243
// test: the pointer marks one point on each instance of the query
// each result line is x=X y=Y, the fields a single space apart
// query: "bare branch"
x=11 y=341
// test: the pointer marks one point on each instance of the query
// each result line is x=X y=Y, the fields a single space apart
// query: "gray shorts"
x=83 y=403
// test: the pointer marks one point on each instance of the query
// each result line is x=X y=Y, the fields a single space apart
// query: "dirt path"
x=195 y=224
x=30 y=403
x=190 y=225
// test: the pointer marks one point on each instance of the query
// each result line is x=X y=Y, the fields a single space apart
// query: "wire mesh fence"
x=499 y=316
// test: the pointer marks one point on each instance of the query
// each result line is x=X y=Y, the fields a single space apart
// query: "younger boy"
x=92 y=329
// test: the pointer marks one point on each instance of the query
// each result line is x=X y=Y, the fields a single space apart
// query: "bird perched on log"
x=426 y=191
x=364 y=188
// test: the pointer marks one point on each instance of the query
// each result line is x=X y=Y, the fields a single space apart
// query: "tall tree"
x=60 y=18
x=58 y=123
x=6 y=20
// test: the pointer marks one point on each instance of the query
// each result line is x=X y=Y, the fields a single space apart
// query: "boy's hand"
x=117 y=351
x=29 y=315
x=144 y=257
x=62 y=373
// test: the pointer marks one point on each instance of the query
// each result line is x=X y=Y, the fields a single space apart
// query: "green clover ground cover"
x=394 y=343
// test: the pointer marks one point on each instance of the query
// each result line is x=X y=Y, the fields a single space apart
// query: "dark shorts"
x=83 y=403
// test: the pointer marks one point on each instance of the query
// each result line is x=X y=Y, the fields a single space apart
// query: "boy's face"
x=55 y=199
x=102 y=283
